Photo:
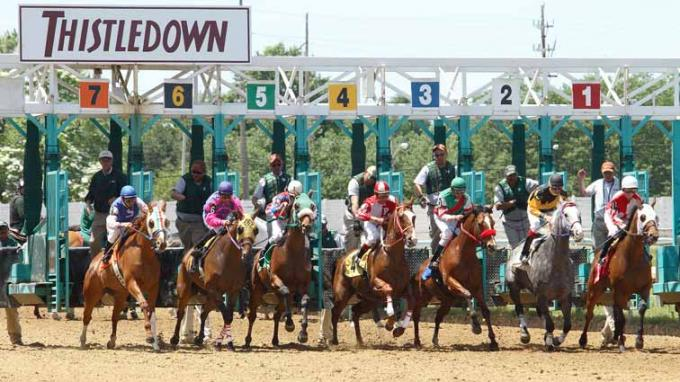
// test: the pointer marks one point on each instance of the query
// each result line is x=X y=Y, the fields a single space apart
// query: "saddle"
x=351 y=267
x=204 y=249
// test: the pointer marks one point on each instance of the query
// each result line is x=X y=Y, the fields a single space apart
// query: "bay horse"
x=133 y=269
x=387 y=277
x=461 y=276
x=550 y=274
x=224 y=272
x=290 y=271
x=629 y=272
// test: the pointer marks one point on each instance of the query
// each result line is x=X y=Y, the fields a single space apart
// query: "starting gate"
x=396 y=182
x=142 y=181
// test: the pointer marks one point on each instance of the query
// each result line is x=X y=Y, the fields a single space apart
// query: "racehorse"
x=289 y=272
x=387 y=276
x=550 y=275
x=461 y=276
x=629 y=272
x=133 y=269
x=224 y=271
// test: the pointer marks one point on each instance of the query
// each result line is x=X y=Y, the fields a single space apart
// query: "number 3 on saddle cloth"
x=354 y=268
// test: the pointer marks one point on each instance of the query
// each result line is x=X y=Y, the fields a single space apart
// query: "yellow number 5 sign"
x=342 y=97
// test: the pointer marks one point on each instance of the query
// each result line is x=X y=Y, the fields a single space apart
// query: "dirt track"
x=462 y=357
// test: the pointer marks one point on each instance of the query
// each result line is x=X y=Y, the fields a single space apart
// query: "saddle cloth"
x=351 y=268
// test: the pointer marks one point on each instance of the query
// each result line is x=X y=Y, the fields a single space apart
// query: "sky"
x=453 y=28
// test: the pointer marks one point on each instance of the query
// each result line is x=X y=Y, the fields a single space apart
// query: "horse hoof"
x=275 y=342
x=110 y=344
x=524 y=339
x=334 y=341
x=435 y=343
x=557 y=342
x=493 y=346
x=398 y=332
x=622 y=348
x=134 y=315
x=476 y=329
x=198 y=341
x=639 y=343
x=149 y=340
x=290 y=327
x=389 y=325
x=417 y=345
x=302 y=338
x=549 y=347
x=174 y=340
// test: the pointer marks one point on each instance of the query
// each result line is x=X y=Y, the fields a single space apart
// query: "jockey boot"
x=524 y=257
x=434 y=263
x=196 y=254
x=360 y=254
x=107 y=252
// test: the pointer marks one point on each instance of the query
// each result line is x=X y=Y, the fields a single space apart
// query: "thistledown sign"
x=71 y=34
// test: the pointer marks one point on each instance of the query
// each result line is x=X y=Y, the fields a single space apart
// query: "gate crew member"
x=359 y=188
x=12 y=314
x=191 y=192
x=434 y=177
x=277 y=213
x=16 y=208
x=603 y=189
x=270 y=185
x=511 y=196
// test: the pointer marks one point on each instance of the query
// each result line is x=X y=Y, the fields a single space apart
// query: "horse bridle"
x=482 y=235
x=152 y=237
x=402 y=231
x=571 y=227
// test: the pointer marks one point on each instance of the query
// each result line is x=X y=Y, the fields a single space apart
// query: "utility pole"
x=544 y=48
x=305 y=78
x=243 y=151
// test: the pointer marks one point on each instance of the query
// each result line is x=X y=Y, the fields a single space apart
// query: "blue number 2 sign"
x=425 y=94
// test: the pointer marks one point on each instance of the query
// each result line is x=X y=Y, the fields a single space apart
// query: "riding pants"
x=352 y=238
x=278 y=229
x=537 y=223
x=612 y=228
x=448 y=230
x=371 y=235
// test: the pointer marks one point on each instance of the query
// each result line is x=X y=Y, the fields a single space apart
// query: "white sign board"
x=134 y=34
x=505 y=95
x=12 y=90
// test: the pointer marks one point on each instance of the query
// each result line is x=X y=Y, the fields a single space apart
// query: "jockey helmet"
x=128 y=192
x=458 y=183
x=225 y=188
x=629 y=182
x=295 y=187
x=381 y=187
x=3 y=224
x=556 y=180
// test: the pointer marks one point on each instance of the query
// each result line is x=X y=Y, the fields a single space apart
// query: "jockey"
x=277 y=212
x=123 y=211
x=221 y=208
x=616 y=212
x=372 y=213
x=542 y=202
x=453 y=205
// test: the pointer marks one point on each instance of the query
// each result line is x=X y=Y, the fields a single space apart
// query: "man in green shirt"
x=16 y=208
x=191 y=192
x=270 y=185
x=13 y=327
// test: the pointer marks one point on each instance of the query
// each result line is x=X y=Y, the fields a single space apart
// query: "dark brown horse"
x=133 y=269
x=461 y=276
x=224 y=272
x=629 y=272
x=290 y=272
x=388 y=276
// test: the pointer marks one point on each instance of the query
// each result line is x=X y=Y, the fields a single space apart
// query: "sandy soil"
x=54 y=355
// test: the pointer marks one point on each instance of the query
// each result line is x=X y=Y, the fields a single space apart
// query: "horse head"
x=157 y=224
x=567 y=218
x=648 y=223
x=246 y=232
x=405 y=222
x=479 y=226
x=305 y=212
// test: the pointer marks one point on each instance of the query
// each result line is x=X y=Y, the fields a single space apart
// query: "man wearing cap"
x=11 y=313
x=511 y=196
x=603 y=189
x=434 y=177
x=16 y=208
x=359 y=188
x=270 y=185
x=191 y=192
x=104 y=188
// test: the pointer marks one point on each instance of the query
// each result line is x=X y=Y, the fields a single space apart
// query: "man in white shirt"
x=359 y=188
x=510 y=196
x=603 y=190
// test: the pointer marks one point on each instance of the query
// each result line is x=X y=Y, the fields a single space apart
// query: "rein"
x=400 y=230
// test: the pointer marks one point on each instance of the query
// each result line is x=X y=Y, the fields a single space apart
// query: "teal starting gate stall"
x=311 y=182
x=395 y=180
x=142 y=181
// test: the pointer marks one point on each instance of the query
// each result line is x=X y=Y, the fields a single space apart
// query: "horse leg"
x=287 y=297
x=474 y=319
x=120 y=301
x=642 y=308
x=441 y=313
x=255 y=301
x=608 y=328
x=565 y=304
x=620 y=300
x=277 y=316
x=524 y=336
x=493 y=345
x=357 y=310
x=184 y=295
x=457 y=288
x=150 y=318
x=227 y=311
x=302 y=337
x=92 y=293
x=543 y=310
x=593 y=294
x=406 y=316
x=210 y=304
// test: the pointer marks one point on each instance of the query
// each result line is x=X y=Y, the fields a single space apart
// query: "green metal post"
x=33 y=177
x=383 y=153
x=358 y=152
x=279 y=141
x=464 y=144
x=439 y=132
x=301 y=145
x=676 y=181
x=545 y=160
x=220 y=158
x=519 y=149
x=597 y=150
x=116 y=143
x=626 y=144
x=135 y=150
x=52 y=142
x=197 y=138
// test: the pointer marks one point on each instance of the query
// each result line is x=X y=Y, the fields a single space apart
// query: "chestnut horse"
x=133 y=269
x=290 y=271
x=388 y=276
x=224 y=272
x=461 y=276
x=629 y=272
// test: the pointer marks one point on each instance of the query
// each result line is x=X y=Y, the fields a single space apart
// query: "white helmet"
x=629 y=182
x=295 y=187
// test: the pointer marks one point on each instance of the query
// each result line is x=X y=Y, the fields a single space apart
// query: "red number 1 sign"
x=585 y=95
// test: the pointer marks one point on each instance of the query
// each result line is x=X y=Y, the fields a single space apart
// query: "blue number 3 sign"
x=425 y=94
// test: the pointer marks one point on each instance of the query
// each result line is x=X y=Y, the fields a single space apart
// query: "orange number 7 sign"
x=94 y=95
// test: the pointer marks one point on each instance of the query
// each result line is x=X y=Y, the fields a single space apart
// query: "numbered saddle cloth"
x=351 y=267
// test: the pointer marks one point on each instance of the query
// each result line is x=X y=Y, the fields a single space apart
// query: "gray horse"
x=549 y=274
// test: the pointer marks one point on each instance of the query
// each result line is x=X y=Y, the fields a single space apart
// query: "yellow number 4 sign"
x=342 y=97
